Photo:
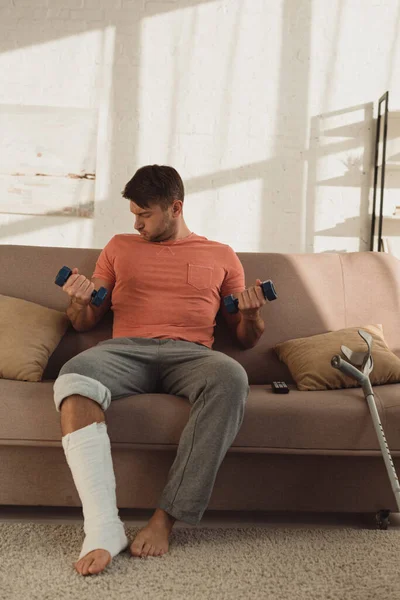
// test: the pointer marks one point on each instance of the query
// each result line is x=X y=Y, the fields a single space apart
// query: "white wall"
x=265 y=107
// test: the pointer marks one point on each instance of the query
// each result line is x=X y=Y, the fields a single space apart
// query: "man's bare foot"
x=93 y=562
x=152 y=540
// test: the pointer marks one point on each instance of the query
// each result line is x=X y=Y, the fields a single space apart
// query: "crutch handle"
x=338 y=363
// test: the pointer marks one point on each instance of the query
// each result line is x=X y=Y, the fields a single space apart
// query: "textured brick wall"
x=265 y=107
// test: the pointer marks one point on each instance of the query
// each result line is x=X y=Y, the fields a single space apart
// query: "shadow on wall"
x=289 y=134
x=283 y=207
x=337 y=165
x=358 y=155
x=340 y=165
x=21 y=32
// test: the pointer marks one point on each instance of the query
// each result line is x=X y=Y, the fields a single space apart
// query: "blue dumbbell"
x=97 y=296
x=232 y=303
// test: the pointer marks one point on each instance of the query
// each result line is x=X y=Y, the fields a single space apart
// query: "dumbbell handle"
x=232 y=303
x=97 y=296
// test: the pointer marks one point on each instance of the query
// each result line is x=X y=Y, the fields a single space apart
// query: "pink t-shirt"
x=168 y=289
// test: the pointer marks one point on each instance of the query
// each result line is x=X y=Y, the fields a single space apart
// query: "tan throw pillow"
x=29 y=334
x=309 y=358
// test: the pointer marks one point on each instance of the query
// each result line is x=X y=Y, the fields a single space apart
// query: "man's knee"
x=70 y=384
x=230 y=371
x=231 y=377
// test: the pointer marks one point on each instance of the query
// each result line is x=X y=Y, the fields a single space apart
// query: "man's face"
x=152 y=223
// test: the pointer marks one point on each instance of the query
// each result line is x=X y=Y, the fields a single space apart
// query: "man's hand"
x=251 y=301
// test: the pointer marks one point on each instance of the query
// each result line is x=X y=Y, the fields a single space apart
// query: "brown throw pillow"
x=309 y=358
x=29 y=334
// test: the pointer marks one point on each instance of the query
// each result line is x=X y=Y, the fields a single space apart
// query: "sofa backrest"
x=316 y=293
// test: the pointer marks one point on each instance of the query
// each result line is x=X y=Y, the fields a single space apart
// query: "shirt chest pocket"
x=199 y=276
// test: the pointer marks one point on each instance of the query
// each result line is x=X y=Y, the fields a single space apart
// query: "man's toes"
x=136 y=548
x=86 y=567
x=95 y=568
x=153 y=551
x=146 y=550
x=80 y=565
x=91 y=566
x=156 y=551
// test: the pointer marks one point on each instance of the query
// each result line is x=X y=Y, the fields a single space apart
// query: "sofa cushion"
x=309 y=358
x=327 y=422
x=29 y=333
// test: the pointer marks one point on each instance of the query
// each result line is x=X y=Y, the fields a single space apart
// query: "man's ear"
x=177 y=207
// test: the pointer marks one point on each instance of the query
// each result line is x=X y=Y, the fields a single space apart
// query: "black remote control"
x=280 y=387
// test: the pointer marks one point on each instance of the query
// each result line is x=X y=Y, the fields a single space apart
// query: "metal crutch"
x=365 y=361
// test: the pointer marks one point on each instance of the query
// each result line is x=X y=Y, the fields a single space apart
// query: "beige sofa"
x=304 y=451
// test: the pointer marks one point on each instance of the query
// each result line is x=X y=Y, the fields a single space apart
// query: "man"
x=167 y=285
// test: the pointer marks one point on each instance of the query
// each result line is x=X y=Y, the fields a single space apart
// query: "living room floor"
x=211 y=519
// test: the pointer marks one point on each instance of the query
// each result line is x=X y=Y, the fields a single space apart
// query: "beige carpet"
x=36 y=562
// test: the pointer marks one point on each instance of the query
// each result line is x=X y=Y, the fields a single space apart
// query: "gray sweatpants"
x=215 y=384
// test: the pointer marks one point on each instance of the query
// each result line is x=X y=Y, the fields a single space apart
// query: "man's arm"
x=84 y=318
x=247 y=324
x=250 y=329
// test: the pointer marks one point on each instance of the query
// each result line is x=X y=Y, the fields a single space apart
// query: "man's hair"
x=155 y=184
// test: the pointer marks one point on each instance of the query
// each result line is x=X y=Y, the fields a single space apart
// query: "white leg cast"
x=88 y=454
